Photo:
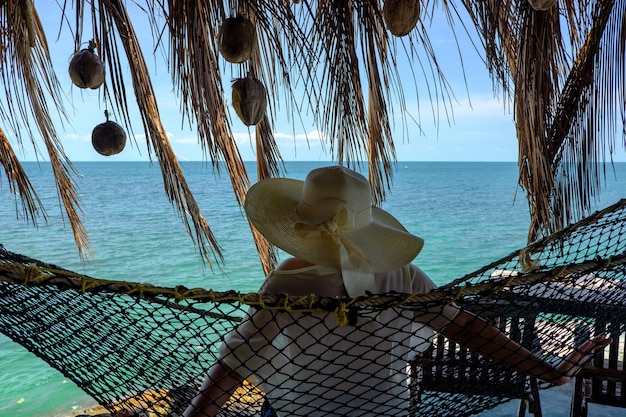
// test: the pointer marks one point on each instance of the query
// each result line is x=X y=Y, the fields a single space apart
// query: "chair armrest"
x=607 y=373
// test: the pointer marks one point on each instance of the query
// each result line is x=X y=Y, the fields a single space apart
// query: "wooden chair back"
x=450 y=367
x=603 y=381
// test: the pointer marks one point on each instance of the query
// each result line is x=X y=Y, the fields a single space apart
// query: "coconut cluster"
x=86 y=68
x=236 y=41
x=401 y=16
x=249 y=100
x=108 y=138
x=542 y=5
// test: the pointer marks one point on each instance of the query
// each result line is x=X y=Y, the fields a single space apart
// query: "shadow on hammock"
x=449 y=368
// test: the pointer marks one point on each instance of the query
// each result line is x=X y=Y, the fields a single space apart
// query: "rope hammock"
x=137 y=346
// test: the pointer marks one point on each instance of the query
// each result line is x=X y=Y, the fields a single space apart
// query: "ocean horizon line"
x=303 y=161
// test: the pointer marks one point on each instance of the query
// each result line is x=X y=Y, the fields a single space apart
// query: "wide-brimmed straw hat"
x=329 y=220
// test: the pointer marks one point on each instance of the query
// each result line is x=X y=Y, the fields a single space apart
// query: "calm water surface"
x=469 y=214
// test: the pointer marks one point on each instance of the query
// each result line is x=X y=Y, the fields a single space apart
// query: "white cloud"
x=282 y=138
x=243 y=137
x=75 y=137
x=299 y=138
x=478 y=106
x=187 y=140
x=483 y=106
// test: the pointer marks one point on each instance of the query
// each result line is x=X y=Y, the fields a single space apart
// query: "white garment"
x=307 y=363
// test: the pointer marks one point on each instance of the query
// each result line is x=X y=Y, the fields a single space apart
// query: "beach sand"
x=555 y=402
x=247 y=397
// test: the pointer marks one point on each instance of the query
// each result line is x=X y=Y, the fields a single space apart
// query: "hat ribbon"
x=355 y=266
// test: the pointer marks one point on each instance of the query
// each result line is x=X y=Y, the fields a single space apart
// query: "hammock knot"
x=509 y=280
x=31 y=274
x=88 y=283
x=138 y=288
x=457 y=295
x=341 y=314
x=180 y=292
x=562 y=273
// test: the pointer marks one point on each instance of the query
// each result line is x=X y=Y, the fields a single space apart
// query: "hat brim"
x=271 y=207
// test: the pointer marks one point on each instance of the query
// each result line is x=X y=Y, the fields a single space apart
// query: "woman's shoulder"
x=408 y=279
x=292 y=263
x=296 y=277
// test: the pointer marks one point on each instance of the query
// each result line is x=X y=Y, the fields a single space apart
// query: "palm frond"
x=560 y=103
x=588 y=113
x=342 y=113
x=114 y=15
x=30 y=86
x=333 y=62
x=538 y=65
x=267 y=166
x=19 y=184
x=194 y=58
x=380 y=147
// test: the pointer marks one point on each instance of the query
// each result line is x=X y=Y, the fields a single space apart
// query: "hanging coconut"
x=541 y=5
x=249 y=100
x=236 y=39
x=86 y=69
x=401 y=16
x=108 y=138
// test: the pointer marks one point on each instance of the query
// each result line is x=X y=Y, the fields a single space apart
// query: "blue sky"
x=479 y=130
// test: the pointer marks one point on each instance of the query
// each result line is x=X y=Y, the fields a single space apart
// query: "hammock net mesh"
x=136 y=346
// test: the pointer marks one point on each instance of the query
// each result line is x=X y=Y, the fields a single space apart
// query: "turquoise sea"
x=469 y=214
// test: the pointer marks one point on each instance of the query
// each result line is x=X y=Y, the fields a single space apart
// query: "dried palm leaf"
x=113 y=16
x=346 y=66
x=30 y=85
x=380 y=146
x=19 y=184
x=193 y=62
x=560 y=104
x=266 y=167
x=538 y=65
x=342 y=112
x=587 y=114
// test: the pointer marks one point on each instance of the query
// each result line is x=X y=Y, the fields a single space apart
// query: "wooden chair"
x=448 y=367
x=604 y=380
